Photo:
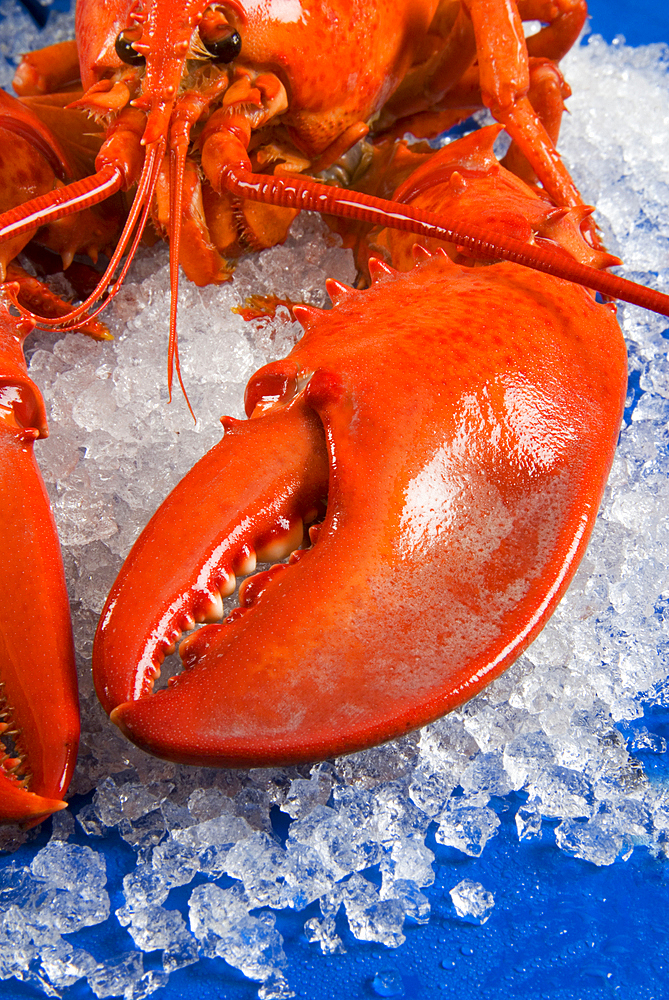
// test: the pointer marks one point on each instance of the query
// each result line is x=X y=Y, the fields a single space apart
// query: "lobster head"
x=156 y=47
x=459 y=424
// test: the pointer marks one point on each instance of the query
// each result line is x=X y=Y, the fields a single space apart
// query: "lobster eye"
x=225 y=49
x=126 y=52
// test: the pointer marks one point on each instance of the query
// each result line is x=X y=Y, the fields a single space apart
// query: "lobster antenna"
x=293 y=192
x=60 y=202
x=140 y=205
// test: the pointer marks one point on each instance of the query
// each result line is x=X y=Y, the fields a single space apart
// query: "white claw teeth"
x=281 y=547
x=214 y=611
x=228 y=587
x=185 y=643
x=248 y=565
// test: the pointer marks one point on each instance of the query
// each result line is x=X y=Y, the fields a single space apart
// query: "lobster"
x=245 y=88
x=39 y=714
x=457 y=421
x=232 y=111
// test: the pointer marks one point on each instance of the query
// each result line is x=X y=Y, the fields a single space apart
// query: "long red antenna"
x=292 y=192
x=60 y=202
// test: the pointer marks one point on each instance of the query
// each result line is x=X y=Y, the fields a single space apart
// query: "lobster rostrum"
x=39 y=713
x=458 y=421
x=220 y=110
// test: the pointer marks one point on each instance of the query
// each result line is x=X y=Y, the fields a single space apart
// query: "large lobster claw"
x=39 y=715
x=463 y=422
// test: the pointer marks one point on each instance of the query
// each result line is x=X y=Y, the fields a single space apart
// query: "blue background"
x=561 y=929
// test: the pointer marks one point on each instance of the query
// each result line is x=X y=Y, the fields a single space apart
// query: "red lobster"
x=39 y=715
x=243 y=87
x=461 y=422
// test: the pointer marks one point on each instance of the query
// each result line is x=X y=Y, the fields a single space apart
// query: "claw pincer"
x=39 y=714
x=462 y=422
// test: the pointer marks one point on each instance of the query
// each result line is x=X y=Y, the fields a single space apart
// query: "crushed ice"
x=546 y=727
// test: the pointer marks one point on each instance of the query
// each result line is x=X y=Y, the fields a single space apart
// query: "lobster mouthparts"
x=462 y=422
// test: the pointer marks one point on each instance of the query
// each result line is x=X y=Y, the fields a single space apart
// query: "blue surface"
x=639 y=23
x=561 y=928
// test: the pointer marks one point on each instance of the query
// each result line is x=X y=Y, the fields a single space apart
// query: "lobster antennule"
x=329 y=200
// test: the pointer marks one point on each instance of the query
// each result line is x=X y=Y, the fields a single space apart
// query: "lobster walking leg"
x=39 y=716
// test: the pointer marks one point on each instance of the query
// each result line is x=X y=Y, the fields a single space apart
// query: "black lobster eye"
x=126 y=52
x=225 y=49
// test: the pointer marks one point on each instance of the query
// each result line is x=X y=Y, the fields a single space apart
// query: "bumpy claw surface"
x=463 y=421
x=39 y=714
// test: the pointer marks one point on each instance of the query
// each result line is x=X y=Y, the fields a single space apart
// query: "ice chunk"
x=409 y=859
x=74 y=909
x=17 y=951
x=472 y=902
x=467 y=828
x=70 y=866
x=115 y=802
x=145 y=832
x=528 y=821
x=525 y=755
x=592 y=841
x=370 y=918
x=486 y=776
x=430 y=792
x=324 y=933
x=69 y=892
x=117 y=976
x=221 y=831
x=220 y=920
x=62 y=825
x=561 y=792
x=154 y=928
x=125 y=977
x=260 y=863
x=330 y=834
x=278 y=877
x=64 y=965
x=145 y=887
x=177 y=864
x=395 y=815
x=303 y=795
x=380 y=921
x=275 y=987
x=415 y=903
